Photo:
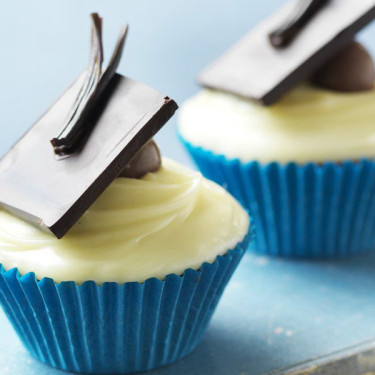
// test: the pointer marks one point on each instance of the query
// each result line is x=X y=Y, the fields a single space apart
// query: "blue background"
x=290 y=312
x=44 y=46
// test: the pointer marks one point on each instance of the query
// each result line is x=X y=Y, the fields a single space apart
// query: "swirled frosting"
x=164 y=223
x=309 y=124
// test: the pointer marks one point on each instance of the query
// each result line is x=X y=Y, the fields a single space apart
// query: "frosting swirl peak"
x=138 y=228
x=308 y=125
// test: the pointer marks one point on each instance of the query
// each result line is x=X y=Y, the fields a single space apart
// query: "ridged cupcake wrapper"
x=112 y=328
x=306 y=211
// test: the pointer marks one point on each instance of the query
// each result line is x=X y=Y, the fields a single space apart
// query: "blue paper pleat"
x=309 y=211
x=112 y=328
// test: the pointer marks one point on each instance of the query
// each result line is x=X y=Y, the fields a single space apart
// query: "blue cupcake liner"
x=304 y=211
x=112 y=328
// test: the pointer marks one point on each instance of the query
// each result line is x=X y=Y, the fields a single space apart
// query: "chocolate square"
x=53 y=193
x=254 y=69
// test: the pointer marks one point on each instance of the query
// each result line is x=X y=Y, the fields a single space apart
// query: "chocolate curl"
x=77 y=126
x=303 y=13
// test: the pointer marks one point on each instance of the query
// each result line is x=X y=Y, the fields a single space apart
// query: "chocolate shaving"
x=77 y=127
x=303 y=13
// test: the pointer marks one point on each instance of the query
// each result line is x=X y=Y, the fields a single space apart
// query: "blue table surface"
x=274 y=313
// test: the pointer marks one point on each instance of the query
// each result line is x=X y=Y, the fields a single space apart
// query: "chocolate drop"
x=352 y=69
x=147 y=160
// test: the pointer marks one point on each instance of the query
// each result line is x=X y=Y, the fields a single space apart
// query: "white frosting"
x=309 y=124
x=163 y=223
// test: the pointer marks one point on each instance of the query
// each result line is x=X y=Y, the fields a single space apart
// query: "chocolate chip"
x=352 y=69
x=147 y=160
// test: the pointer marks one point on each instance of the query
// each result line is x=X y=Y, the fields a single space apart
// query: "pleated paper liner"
x=305 y=211
x=112 y=328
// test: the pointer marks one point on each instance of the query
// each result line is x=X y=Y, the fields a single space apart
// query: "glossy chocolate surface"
x=54 y=193
x=254 y=69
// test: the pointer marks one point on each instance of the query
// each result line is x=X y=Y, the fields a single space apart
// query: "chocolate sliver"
x=77 y=127
x=350 y=70
x=302 y=14
x=148 y=159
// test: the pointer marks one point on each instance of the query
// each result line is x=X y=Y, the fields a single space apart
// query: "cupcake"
x=130 y=283
x=298 y=154
x=134 y=283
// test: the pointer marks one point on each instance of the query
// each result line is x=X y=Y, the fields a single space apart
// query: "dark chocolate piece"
x=53 y=194
x=77 y=128
x=148 y=159
x=350 y=70
x=254 y=69
x=302 y=14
